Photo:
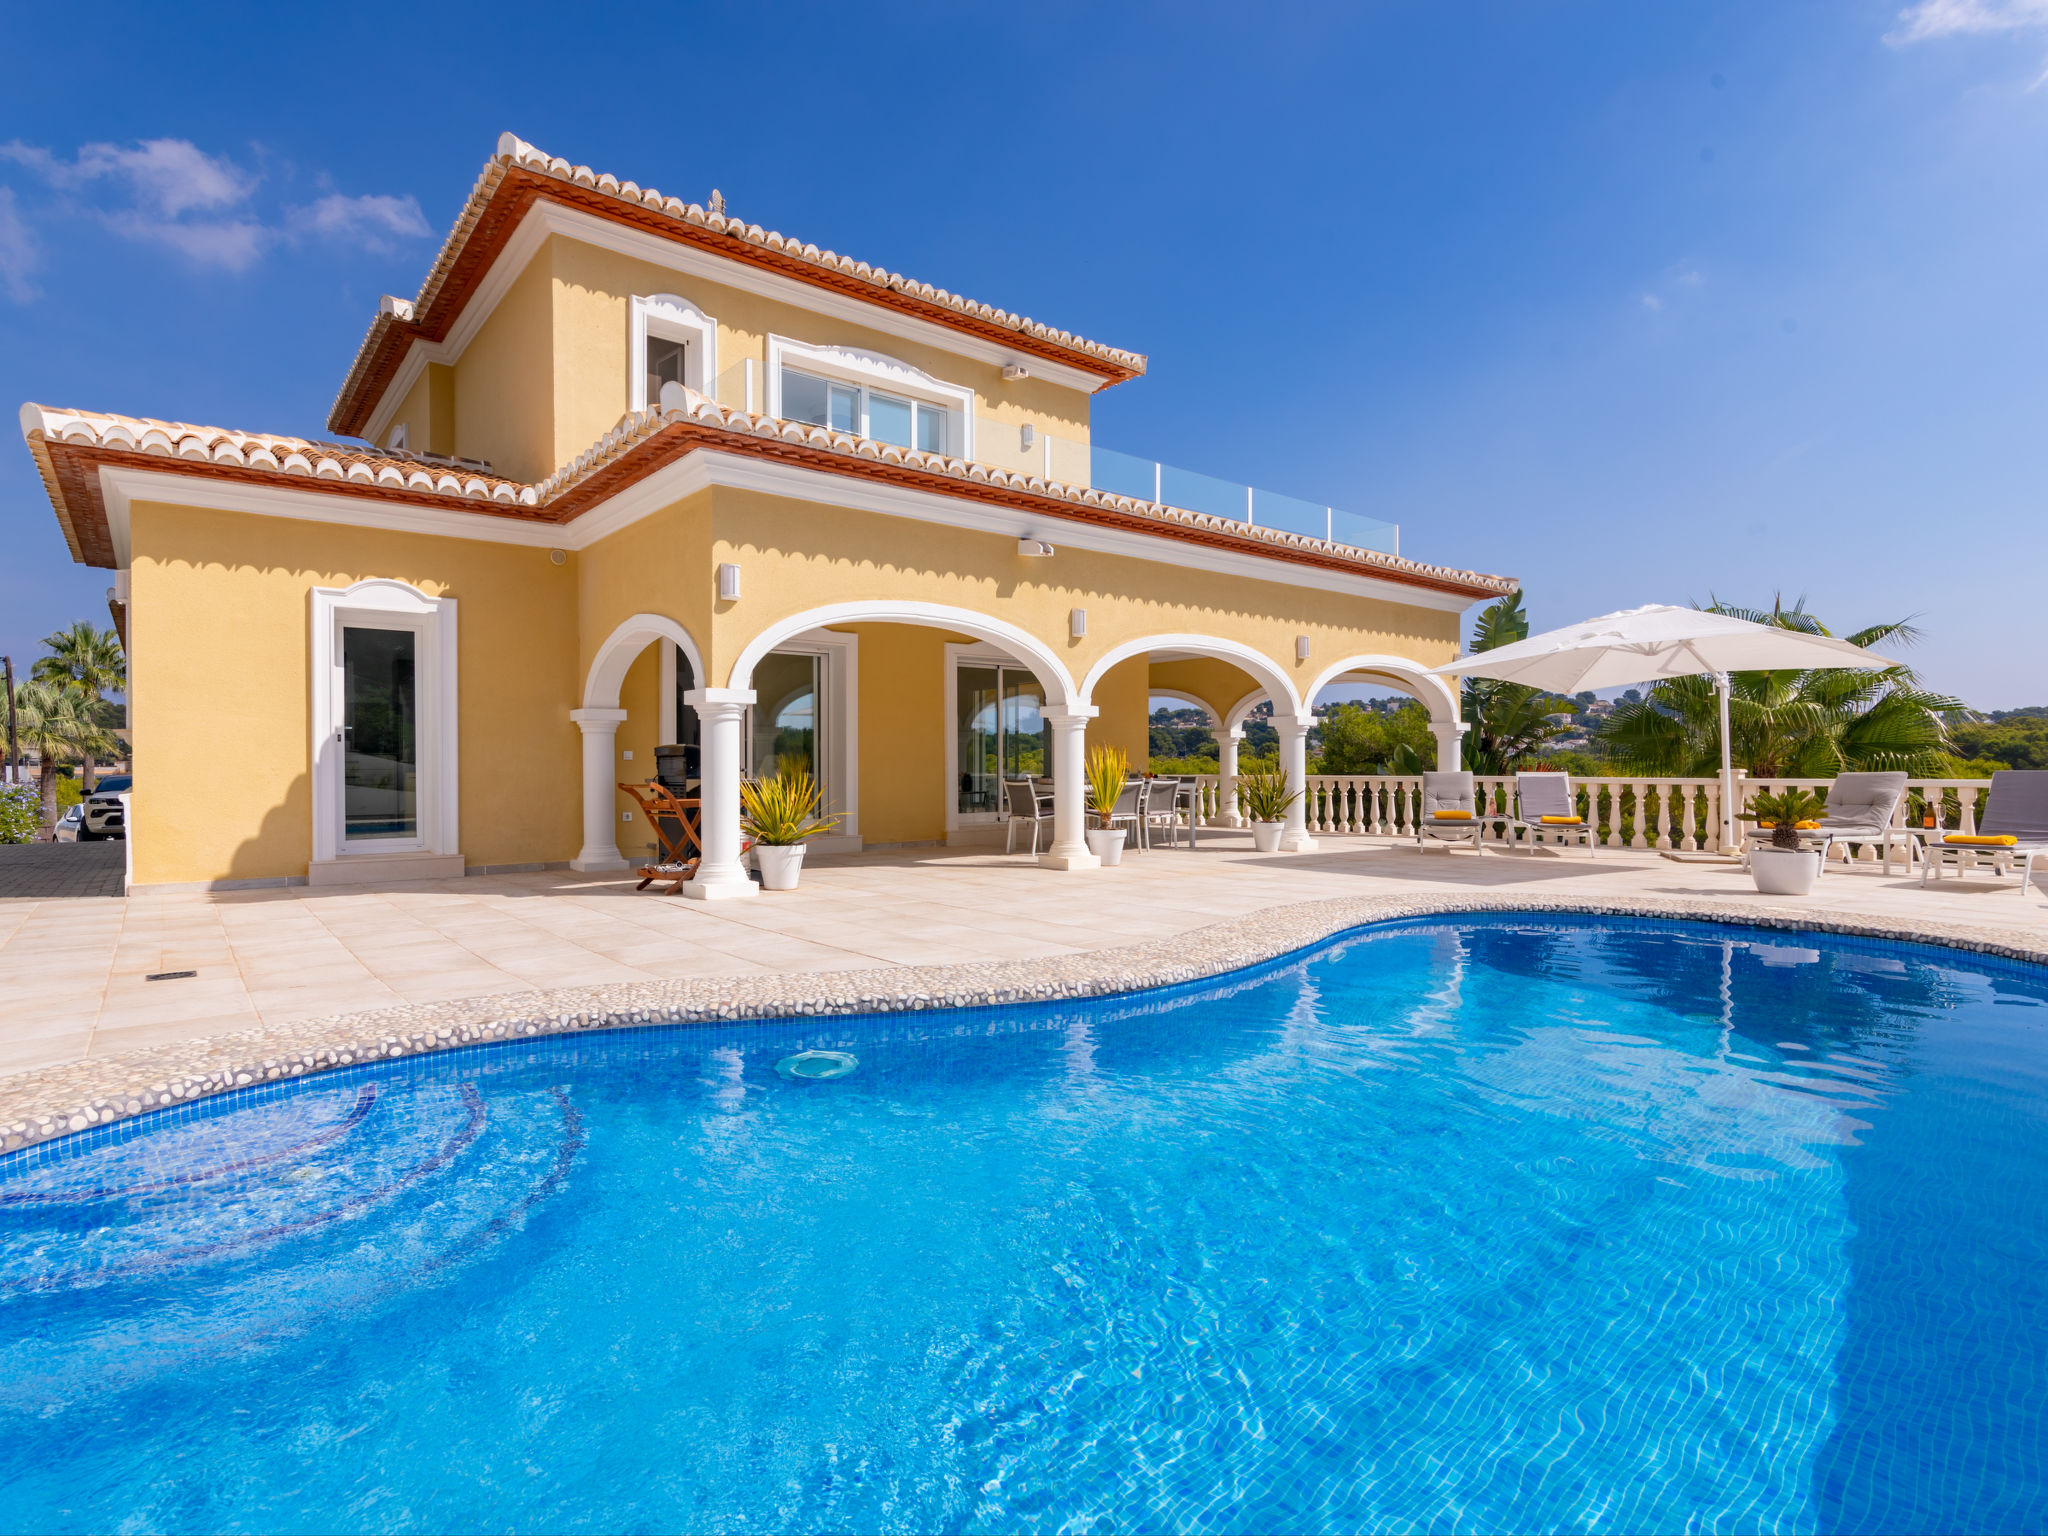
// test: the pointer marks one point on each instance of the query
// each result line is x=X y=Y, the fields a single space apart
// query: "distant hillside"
x=2010 y=738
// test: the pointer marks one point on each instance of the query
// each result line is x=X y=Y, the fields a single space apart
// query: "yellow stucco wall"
x=504 y=395
x=1122 y=697
x=221 y=622
x=640 y=697
x=415 y=413
x=796 y=556
x=592 y=325
x=903 y=729
x=1218 y=684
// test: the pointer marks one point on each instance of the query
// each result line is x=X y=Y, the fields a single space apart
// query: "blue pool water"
x=1478 y=1225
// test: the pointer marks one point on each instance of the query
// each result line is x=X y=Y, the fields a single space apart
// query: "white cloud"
x=1652 y=302
x=170 y=176
x=1951 y=18
x=170 y=192
x=234 y=244
x=17 y=251
x=372 y=221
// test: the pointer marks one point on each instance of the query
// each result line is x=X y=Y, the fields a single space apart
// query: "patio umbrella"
x=1643 y=645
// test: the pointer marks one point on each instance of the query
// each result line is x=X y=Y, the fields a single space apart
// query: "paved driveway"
x=62 y=869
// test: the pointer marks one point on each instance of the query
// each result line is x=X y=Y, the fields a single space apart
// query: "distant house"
x=631 y=473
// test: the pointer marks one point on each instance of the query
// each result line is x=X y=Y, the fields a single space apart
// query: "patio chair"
x=1129 y=812
x=2018 y=809
x=1449 y=793
x=1170 y=803
x=1545 y=806
x=1028 y=808
x=1861 y=809
x=675 y=823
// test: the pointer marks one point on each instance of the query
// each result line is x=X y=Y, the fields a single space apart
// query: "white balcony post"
x=1227 y=814
x=600 y=729
x=1069 y=848
x=1294 y=836
x=1450 y=743
x=720 y=713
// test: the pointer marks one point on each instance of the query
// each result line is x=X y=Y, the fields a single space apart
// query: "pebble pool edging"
x=39 y=1106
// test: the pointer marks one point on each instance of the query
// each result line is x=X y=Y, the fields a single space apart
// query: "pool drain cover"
x=817 y=1066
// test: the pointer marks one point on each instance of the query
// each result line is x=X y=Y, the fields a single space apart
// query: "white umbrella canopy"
x=1642 y=645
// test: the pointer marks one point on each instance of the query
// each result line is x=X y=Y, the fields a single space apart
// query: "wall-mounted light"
x=1077 y=623
x=728 y=583
x=1301 y=647
x=558 y=557
x=1026 y=437
x=1015 y=371
x=1033 y=547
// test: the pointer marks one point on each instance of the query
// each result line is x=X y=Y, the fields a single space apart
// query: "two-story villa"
x=633 y=473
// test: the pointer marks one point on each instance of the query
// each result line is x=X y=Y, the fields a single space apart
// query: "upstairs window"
x=865 y=412
x=667 y=363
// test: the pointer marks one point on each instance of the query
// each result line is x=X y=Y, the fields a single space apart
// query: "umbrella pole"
x=1727 y=770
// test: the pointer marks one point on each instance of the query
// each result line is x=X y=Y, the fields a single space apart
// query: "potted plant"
x=1264 y=797
x=782 y=814
x=1108 y=768
x=1785 y=868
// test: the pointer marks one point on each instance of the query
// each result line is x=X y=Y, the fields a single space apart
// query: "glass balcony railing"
x=1006 y=445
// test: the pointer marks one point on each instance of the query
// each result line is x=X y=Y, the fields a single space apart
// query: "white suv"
x=103 y=814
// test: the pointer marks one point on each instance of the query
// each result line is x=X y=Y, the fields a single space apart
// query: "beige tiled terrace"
x=72 y=971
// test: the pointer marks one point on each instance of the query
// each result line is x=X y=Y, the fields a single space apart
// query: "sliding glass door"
x=787 y=715
x=1000 y=732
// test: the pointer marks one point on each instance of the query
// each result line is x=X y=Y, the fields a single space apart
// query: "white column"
x=1069 y=848
x=720 y=714
x=1294 y=837
x=1227 y=743
x=600 y=788
x=1450 y=743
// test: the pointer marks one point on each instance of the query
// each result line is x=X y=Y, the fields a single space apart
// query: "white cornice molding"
x=708 y=467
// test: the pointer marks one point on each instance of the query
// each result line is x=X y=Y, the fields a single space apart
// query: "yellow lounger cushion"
x=1562 y=821
x=1452 y=815
x=1973 y=840
x=1797 y=826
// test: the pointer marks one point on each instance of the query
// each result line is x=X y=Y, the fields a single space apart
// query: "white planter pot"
x=779 y=865
x=1784 y=871
x=1107 y=844
x=1266 y=835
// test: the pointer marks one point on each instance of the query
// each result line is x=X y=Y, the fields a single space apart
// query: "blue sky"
x=1638 y=303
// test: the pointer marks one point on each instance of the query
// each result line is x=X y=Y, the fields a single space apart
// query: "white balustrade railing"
x=1631 y=812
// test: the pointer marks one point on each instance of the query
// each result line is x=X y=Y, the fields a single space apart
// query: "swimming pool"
x=1478 y=1223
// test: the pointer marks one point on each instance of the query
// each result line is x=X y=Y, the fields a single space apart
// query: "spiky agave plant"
x=784 y=810
x=1108 y=768
x=1264 y=795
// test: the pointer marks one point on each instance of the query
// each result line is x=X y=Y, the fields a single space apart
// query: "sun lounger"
x=1450 y=811
x=1546 y=806
x=2017 y=810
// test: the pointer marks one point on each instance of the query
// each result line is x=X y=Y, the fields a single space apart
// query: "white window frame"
x=874 y=371
x=838 y=729
x=674 y=318
x=979 y=654
x=397 y=439
x=384 y=604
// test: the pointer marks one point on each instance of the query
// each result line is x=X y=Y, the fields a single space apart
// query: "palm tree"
x=1509 y=723
x=1806 y=725
x=93 y=660
x=59 y=722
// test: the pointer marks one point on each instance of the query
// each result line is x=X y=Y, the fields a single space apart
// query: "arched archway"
x=599 y=719
x=1060 y=692
x=623 y=645
x=1272 y=678
x=1404 y=675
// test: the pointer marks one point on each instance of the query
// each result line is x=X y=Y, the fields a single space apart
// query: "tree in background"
x=1798 y=724
x=1356 y=740
x=91 y=660
x=1508 y=723
x=61 y=724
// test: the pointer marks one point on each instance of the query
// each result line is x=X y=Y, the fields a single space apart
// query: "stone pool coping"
x=40 y=1105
